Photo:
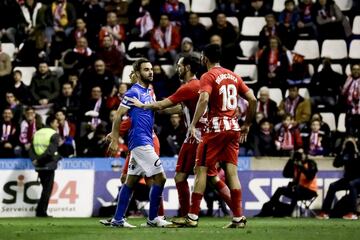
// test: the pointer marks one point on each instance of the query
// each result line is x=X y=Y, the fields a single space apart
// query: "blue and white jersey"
x=142 y=120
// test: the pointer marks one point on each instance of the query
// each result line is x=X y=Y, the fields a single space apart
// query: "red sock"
x=184 y=197
x=195 y=203
x=236 y=197
x=161 y=211
x=224 y=192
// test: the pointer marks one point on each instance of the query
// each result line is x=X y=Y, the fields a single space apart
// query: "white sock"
x=193 y=216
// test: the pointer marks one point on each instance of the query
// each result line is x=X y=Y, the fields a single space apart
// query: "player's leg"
x=183 y=190
x=222 y=189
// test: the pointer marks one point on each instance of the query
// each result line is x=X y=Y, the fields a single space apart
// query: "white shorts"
x=144 y=161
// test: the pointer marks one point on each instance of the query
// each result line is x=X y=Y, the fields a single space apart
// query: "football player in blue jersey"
x=143 y=159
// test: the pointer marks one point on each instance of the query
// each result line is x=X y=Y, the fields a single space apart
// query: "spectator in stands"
x=307 y=22
x=299 y=70
x=97 y=76
x=11 y=20
x=303 y=186
x=330 y=20
x=175 y=9
x=60 y=16
x=94 y=112
x=5 y=70
x=8 y=134
x=229 y=7
x=45 y=87
x=317 y=141
x=20 y=90
x=288 y=137
x=96 y=146
x=256 y=8
x=80 y=31
x=141 y=20
x=263 y=142
x=196 y=32
x=68 y=102
x=113 y=29
x=114 y=100
x=288 y=19
x=172 y=136
x=273 y=64
x=271 y=29
x=295 y=105
x=113 y=58
x=187 y=49
x=15 y=106
x=323 y=91
x=267 y=106
x=349 y=158
x=84 y=55
x=120 y=8
x=28 y=127
x=34 y=13
x=351 y=91
x=58 y=48
x=165 y=40
x=95 y=17
x=34 y=50
x=67 y=131
x=161 y=82
x=227 y=32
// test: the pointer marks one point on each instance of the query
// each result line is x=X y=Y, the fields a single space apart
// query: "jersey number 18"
x=229 y=97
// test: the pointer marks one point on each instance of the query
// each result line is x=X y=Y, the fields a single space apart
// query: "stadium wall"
x=83 y=185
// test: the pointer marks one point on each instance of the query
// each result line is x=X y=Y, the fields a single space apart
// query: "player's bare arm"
x=159 y=105
x=250 y=115
x=114 y=135
x=172 y=110
x=199 y=112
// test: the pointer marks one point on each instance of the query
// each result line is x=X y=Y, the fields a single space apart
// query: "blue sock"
x=123 y=202
x=155 y=197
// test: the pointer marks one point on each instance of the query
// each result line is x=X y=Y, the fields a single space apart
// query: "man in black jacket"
x=44 y=156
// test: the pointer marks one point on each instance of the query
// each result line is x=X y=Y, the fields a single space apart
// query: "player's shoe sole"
x=185 y=222
x=239 y=224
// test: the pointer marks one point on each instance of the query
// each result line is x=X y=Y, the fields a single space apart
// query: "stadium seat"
x=354 y=50
x=279 y=5
x=341 y=123
x=27 y=74
x=136 y=45
x=247 y=70
x=126 y=74
x=9 y=48
x=336 y=67
x=356 y=26
x=275 y=94
x=234 y=21
x=348 y=70
x=329 y=118
x=201 y=6
x=311 y=69
x=187 y=4
x=59 y=71
x=206 y=21
x=168 y=69
x=344 y=5
x=249 y=48
x=252 y=26
x=304 y=92
x=334 y=49
x=308 y=48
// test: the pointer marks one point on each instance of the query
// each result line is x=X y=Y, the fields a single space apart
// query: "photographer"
x=303 y=186
x=349 y=158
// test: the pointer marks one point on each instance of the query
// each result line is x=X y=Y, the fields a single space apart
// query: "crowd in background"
x=88 y=43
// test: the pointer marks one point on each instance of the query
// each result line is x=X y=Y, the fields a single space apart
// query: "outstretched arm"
x=159 y=105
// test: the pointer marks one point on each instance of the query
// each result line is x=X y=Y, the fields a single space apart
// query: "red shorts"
x=186 y=160
x=156 y=148
x=218 y=147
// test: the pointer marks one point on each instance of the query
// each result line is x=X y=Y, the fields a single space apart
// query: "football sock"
x=123 y=202
x=184 y=197
x=224 y=192
x=161 y=211
x=195 y=203
x=155 y=197
x=236 y=199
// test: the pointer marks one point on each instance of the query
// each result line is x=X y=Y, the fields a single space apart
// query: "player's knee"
x=180 y=177
x=159 y=179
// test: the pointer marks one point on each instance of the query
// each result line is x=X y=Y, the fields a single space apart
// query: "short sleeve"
x=242 y=88
x=206 y=83
x=128 y=95
x=181 y=94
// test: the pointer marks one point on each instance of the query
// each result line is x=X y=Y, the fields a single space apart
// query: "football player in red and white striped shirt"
x=219 y=92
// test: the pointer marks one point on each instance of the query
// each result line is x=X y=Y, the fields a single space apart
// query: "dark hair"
x=29 y=108
x=137 y=64
x=51 y=118
x=17 y=71
x=193 y=62
x=289 y=1
x=213 y=53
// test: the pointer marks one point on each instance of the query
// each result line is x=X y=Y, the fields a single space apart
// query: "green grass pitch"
x=209 y=228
